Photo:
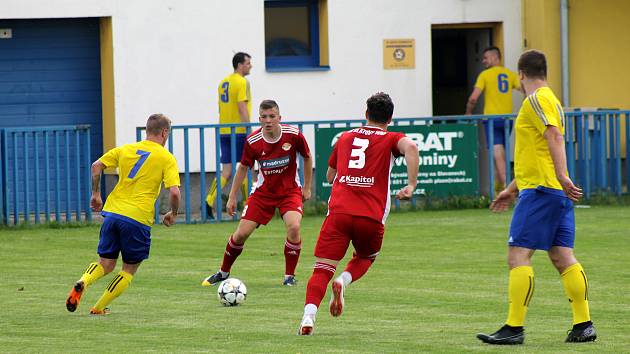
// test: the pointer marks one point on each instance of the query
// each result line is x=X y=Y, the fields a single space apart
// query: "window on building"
x=295 y=31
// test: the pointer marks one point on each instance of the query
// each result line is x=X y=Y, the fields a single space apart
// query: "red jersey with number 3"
x=363 y=158
x=277 y=161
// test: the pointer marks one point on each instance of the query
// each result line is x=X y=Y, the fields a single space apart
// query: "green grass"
x=441 y=277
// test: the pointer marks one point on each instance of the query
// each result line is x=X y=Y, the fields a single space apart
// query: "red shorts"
x=339 y=229
x=261 y=208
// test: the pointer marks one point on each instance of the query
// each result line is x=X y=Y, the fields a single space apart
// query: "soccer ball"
x=232 y=292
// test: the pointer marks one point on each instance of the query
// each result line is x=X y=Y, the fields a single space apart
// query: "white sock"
x=346 y=278
x=224 y=274
x=310 y=310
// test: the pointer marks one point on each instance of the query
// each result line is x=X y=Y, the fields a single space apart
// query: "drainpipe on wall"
x=564 y=50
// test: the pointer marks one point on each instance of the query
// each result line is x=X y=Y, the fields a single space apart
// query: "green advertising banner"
x=448 y=159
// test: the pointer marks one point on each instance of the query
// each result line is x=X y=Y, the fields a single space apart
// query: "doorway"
x=456 y=62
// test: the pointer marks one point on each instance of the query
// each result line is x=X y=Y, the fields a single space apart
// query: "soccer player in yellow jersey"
x=543 y=218
x=129 y=210
x=496 y=82
x=235 y=106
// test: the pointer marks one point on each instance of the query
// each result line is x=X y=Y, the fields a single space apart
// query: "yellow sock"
x=212 y=192
x=520 y=290
x=576 y=288
x=94 y=272
x=117 y=286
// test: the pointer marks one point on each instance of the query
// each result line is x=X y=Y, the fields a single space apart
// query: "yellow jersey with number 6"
x=142 y=167
x=533 y=165
x=497 y=83
x=232 y=90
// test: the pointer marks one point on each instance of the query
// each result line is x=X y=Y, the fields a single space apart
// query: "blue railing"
x=593 y=145
x=45 y=171
x=45 y=174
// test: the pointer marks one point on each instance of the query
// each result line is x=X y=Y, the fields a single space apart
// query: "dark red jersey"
x=277 y=160
x=363 y=158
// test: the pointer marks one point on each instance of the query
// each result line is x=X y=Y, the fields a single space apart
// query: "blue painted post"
x=57 y=180
x=5 y=178
x=46 y=177
x=588 y=152
x=491 y=156
x=27 y=211
x=67 y=173
x=569 y=146
x=88 y=173
x=602 y=152
x=579 y=138
x=217 y=174
x=36 y=194
x=202 y=174
x=77 y=161
x=16 y=215
x=618 y=154
x=187 y=175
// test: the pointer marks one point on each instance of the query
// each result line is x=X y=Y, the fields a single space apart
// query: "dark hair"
x=493 y=49
x=380 y=108
x=156 y=123
x=533 y=64
x=269 y=104
x=239 y=58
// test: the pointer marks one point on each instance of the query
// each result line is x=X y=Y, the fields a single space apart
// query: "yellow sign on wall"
x=399 y=53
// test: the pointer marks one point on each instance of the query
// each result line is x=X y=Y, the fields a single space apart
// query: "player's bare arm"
x=241 y=173
x=96 y=203
x=243 y=112
x=555 y=142
x=174 y=198
x=330 y=174
x=410 y=150
x=472 y=100
x=504 y=199
x=308 y=178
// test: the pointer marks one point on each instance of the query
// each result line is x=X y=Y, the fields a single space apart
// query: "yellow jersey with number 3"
x=142 y=167
x=497 y=83
x=232 y=90
x=533 y=165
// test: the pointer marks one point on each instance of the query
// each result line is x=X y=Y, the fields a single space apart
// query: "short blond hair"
x=156 y=123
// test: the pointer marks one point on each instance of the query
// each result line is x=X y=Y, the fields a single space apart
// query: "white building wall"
x=169 y=55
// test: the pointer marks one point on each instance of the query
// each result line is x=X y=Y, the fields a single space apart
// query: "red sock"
x=232 y=251
x=316 y=288
x=357 y=267
x=291 y=256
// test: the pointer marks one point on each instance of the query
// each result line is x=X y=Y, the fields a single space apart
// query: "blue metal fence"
x=45 y=171
x=45 y=174
x=593 y=145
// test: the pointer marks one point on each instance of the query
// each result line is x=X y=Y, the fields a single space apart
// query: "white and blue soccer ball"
x=232 y=292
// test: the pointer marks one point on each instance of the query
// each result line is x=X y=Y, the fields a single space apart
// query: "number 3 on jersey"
x=359 y=152
x=225 y=96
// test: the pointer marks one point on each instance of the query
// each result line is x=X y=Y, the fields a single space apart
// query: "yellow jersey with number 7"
x=142 y=167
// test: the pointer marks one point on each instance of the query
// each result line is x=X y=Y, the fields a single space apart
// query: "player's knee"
x=240 y=237
x=293 y=232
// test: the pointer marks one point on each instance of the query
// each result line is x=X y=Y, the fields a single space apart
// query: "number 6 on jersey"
x=359 y=152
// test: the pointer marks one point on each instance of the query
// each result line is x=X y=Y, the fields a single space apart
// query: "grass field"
x=441 y=278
